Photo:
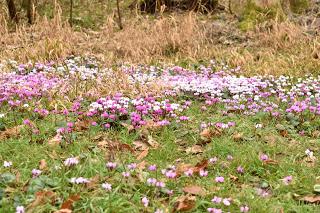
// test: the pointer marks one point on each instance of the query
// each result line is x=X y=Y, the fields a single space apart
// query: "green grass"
x=126 y=194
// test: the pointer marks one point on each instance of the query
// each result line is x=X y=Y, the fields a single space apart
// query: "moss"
x=253 y=15
x=299 y=6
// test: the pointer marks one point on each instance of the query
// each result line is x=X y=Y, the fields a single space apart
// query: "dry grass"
x=276 y=48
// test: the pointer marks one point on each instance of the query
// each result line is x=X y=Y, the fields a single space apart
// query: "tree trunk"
x=30 y=13
x=12 y=11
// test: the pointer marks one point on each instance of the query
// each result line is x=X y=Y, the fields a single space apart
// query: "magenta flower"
x=219 y=179
x=132 y=166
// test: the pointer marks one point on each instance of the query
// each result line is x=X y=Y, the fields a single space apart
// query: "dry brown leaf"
x=311 y=199
x=237 y=136
x=196 y=169
x=128 y=126
x=69 y=202
x=184 y=203
x=42 y=164
x=195 y=149
x=12 y=132
x=43 y=197
x=233 y=178
x=141 y=165
x=115 y=146
x=63 y=211
x=56 y=140
x=153 y=143
x=194 y=190
x=143 y=154
x=271 y=162
x=140 y=145
x=82 y=125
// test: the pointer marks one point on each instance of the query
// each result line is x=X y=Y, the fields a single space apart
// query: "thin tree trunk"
x=30 y=11
x=71 y=11
x=119 y=15
x=12 y=11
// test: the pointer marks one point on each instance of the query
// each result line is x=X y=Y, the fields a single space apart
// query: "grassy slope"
x=126 y=194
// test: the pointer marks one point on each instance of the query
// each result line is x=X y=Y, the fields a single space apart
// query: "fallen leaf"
x=195 y=149
x=115 y=146
x=153 y=143
x=11 y=132
x=43 y=197
x=316 y=188
x=140 y=145
x=194 y=190
x=143 y=154
x=184 y=203
x=128 y=126
x=271 y=162
x=141 y=165
x=315 y=199
x=63 y=211
x=42 y=164
x=56 y=140
x=233 y=178
x=82 y=125
x=69 y=202
x=237 y=136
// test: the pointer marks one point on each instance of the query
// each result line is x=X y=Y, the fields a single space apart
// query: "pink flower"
x=158 y=211
x=152 y=167
x=216 y=199
x=219 y=179
x=151 y=181
x=214 y=210
x=71 y=161
x=126 y=174
x=27 y=122
x=111 y=165
x=145 y=201
x=132 y=166
x=189 y=172
x=240 y=170
x=70 y=124
x=160 y=184
x=264 y=157
x=226 y=201
x=170 y=174
x=203 y=173
x=35 y=173
x=20 y=209
x=287 y=180
x=229 y=157
x=244 y=209
x=107 y=186
x=213 y=160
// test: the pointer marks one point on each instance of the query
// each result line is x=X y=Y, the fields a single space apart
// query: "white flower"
x=7 y=164
x=2 y=115
x=107 y=186
x=259 y=126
